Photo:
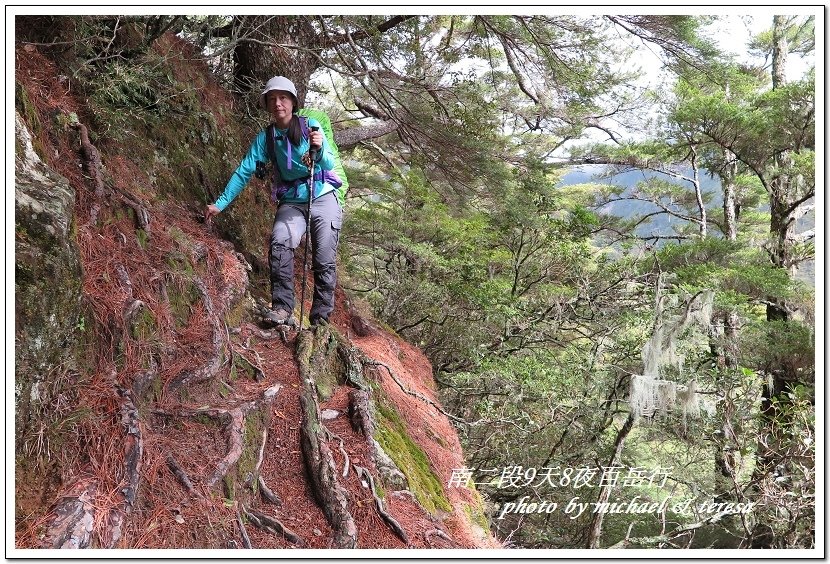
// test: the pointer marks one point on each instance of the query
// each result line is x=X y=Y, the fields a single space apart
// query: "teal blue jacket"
x=258 y=153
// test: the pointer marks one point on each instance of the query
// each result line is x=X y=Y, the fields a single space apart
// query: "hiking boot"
x=280 y=317
x=317 y=321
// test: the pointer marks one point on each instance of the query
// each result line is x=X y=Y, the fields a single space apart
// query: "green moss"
x=24 y=106
x=475 y=512
x=393 y=437
x=203 y=419
x=143 y=327
x=178 y=236
x=229 y=485
x=255 y=422
x=326 y=368
x=241 y=367
x=182 y=297
x=329 y=373
x=179 y=263
x=236 y=313
x=143 y=238
x=379 y=491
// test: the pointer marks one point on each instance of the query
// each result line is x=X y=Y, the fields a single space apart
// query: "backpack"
x=336 y=177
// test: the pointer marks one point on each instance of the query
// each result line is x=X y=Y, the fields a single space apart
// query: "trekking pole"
x=312 y=152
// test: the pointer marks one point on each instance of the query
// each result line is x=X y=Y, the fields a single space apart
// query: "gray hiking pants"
x=289 y=228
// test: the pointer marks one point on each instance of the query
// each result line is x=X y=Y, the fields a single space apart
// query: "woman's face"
x=280 y=105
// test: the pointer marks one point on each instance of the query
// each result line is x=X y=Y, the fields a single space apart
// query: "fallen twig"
x=180 y=474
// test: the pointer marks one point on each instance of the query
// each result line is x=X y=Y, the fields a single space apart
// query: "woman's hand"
x=210 y=211
x=315 y=139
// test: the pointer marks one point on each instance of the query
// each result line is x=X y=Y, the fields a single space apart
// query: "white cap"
x=279 y=83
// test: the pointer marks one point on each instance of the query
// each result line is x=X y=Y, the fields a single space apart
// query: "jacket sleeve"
x=242 y=175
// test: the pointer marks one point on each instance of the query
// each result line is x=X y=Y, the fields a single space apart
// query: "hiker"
x=291 y=139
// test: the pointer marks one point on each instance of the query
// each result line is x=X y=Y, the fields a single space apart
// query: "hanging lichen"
x=651 y=394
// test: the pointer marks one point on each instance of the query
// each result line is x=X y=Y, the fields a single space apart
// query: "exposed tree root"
x=271 y=525
x=91 y=163
x=437 y=533
x=143 y=379
x=92 y=166
x=362 y=420
x=133 y=451
x=74 y=516
x=235 y=428
x=259 y=375
x=359 y=412
x=406 y=390
x=246 y=540
x=124 y=278
x=319 y=461
x=353 y=360
x=393 y=524
x=267 y=493
x=132 y=305
x=234 y=421
x=345 y=458
x=131 y=310
x=133 y=446
x=209 y=369
x=261 y=455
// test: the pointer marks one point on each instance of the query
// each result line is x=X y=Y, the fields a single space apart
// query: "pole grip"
x=311 y=149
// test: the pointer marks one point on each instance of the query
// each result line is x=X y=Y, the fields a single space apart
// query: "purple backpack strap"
x=304 y=126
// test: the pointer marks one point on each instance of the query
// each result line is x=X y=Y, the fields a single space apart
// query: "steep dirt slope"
x=177 y=411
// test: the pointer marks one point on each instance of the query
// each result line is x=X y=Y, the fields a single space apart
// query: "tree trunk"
x=263 y=51
x=727 y=351
x=595 y=529
x=779 y=51
x=730 y=207
x=780 y=225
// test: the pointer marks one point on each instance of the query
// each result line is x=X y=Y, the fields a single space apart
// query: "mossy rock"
x=24 y=106
x=410 y=458
x=47 y=277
